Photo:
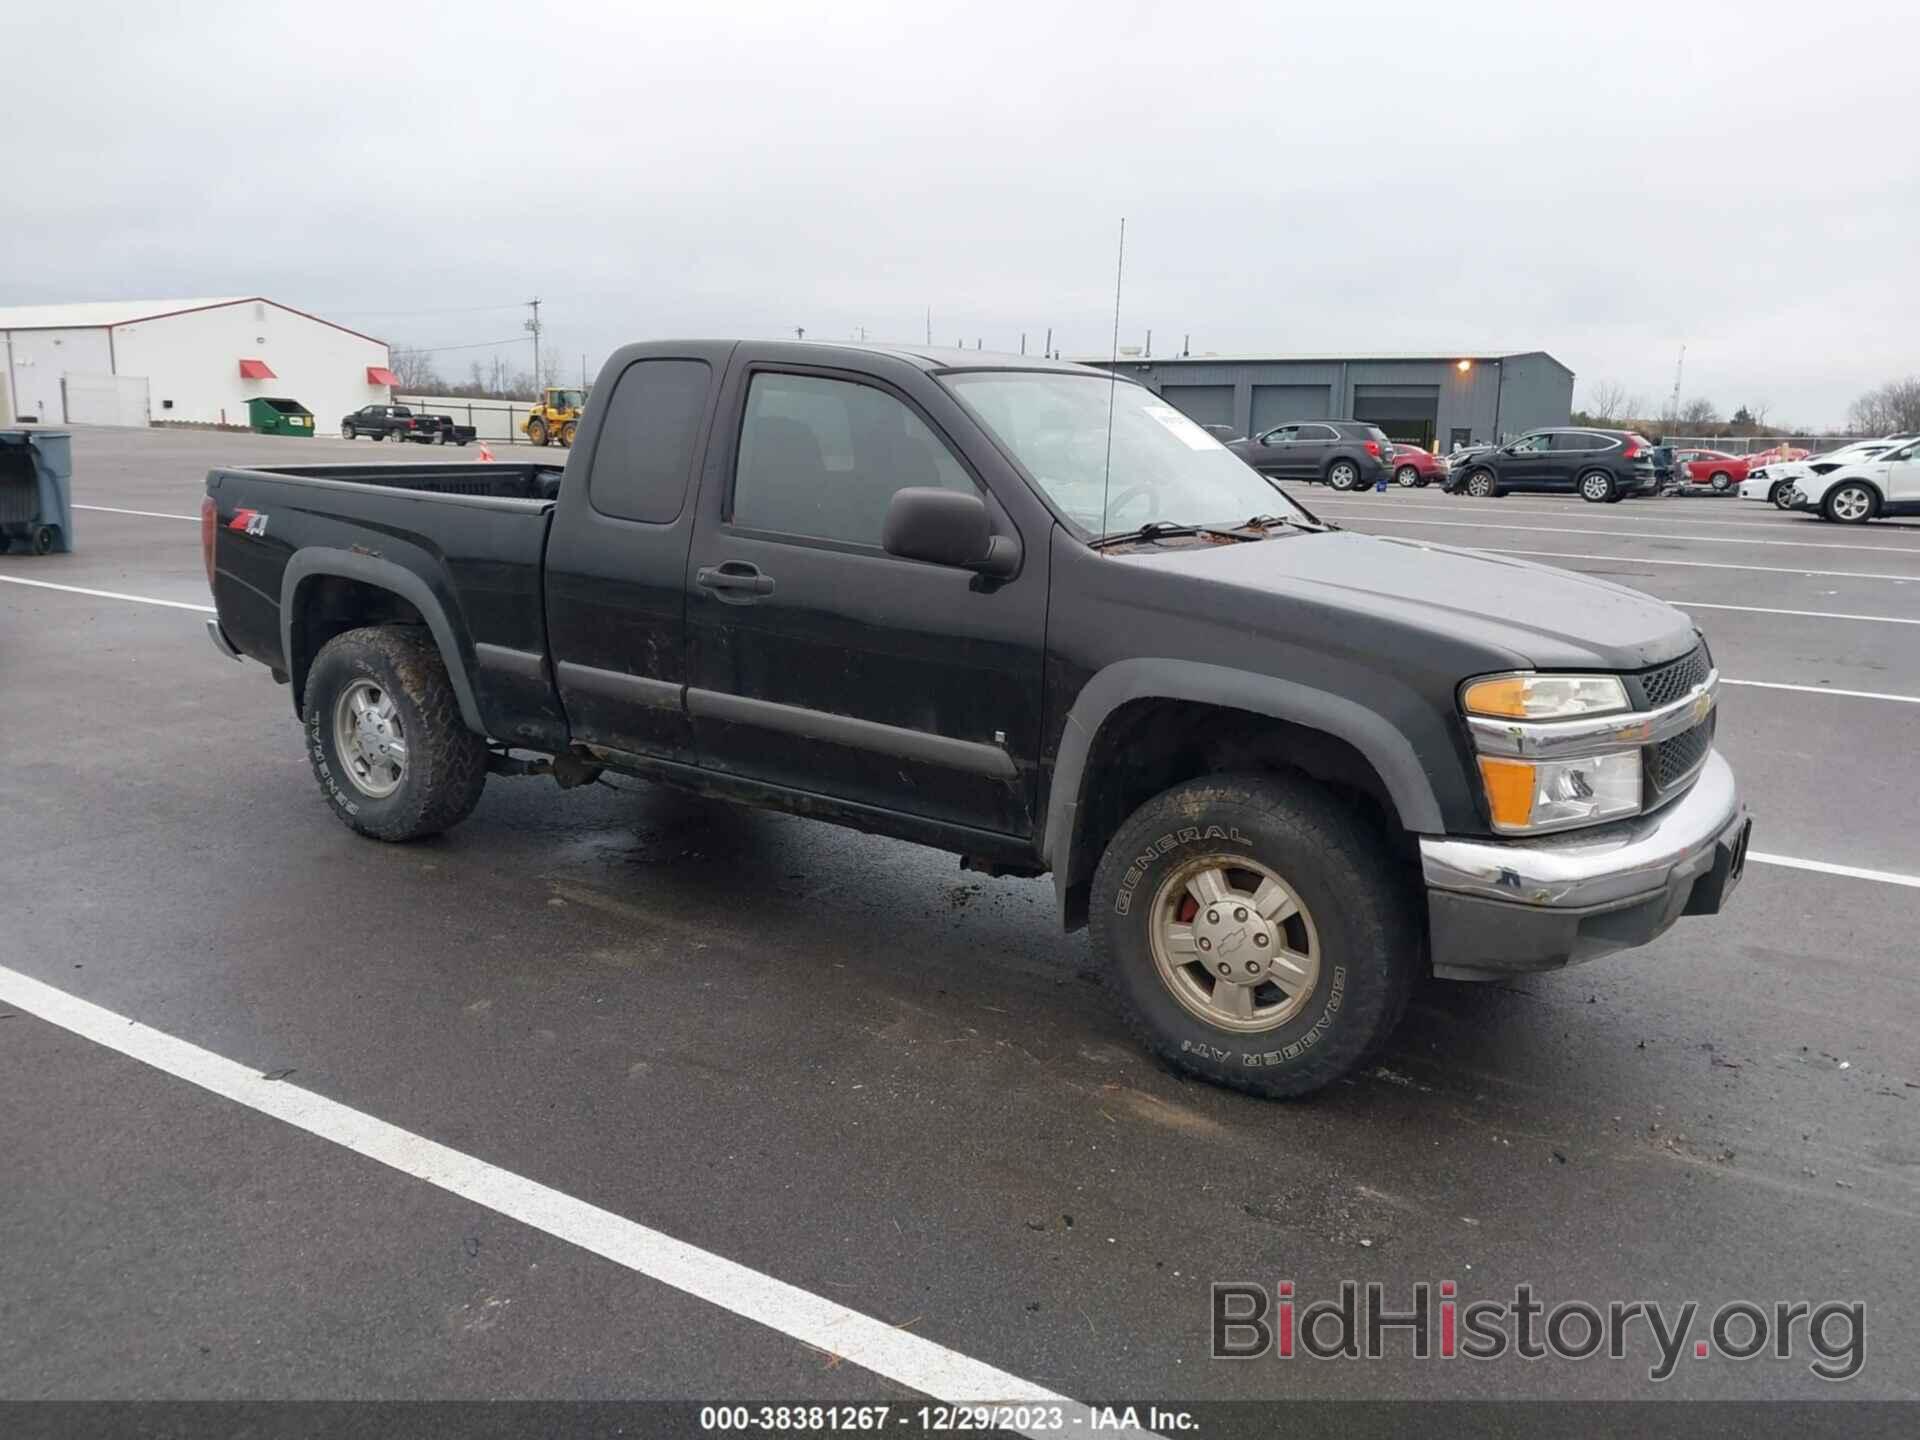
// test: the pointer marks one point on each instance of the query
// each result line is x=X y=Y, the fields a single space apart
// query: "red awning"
x=256 y=370
x=380 y=375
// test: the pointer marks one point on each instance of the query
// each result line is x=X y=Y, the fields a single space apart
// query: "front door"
x=1903 y=479
x=1526 y=462
x=820 y=663
x=1273 y=453
x=1310 y=453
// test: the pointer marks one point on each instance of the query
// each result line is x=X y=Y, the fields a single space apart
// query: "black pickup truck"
x=403 y=423
x=1033 y=615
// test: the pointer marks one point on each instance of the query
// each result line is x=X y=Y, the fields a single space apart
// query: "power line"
x=476 y=345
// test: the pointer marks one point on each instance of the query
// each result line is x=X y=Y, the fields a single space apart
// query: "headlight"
x=1544 y=697
x=1532 y=795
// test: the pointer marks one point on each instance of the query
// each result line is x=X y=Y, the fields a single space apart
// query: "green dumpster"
x=270 y=415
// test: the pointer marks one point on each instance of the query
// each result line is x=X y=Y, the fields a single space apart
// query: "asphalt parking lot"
x=840 y=1062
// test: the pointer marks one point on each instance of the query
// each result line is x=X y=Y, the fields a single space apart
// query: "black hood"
x=1543 y=617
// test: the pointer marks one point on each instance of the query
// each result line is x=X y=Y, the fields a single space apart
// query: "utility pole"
x=1149 y=354
x=1673 y=405
x=799 y=332
x=1023 y=342
x=929 y=325
x=1186 y=346
x=533 y=327
x=1049 y=349
x=583 y=369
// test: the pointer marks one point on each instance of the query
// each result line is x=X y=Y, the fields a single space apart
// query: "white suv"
x=1774 y=481
x=1852 y=494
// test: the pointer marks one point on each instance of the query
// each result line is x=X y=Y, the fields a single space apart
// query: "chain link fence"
x=497 y=421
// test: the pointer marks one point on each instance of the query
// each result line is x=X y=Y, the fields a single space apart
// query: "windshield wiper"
x=1264 y=522
x=1160 y=530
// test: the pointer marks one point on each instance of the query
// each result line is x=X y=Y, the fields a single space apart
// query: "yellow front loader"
x=556 y=417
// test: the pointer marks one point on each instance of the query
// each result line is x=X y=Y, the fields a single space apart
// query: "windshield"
x=1164 y=467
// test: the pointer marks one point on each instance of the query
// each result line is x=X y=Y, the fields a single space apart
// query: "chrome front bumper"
x=1497 y=907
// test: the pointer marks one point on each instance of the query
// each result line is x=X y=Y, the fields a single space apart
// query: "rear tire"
x=43 y=539
x=1720 y=482
x=1343 y=475
x=1341 y=913
x=1596 y=487
x=445 y=764
x=1779 y=493
x=1407 y=477
x=566 y=435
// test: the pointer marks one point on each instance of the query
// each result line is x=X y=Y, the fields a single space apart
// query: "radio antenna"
x=1113 y=372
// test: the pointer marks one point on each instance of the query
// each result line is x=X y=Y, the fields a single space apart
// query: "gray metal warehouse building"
x=1428 y=400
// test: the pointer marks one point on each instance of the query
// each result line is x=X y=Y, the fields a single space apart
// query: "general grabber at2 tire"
x=384 y=733
x=1258 y=931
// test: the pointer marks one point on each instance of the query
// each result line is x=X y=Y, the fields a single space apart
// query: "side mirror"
x=947 y=527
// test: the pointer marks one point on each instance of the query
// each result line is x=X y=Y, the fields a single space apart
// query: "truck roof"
x=924 y=357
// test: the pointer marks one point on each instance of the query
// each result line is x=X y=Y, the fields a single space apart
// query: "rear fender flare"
x=1378 y=740
x=384 y=575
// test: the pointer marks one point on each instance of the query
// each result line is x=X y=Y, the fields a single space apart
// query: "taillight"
x=209 y=522
x=1373 y=448
x=1632 y=450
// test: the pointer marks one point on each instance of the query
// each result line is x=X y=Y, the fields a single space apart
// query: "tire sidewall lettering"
x=1166 y=844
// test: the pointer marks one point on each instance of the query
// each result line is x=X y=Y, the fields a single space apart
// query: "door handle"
x=735 y=580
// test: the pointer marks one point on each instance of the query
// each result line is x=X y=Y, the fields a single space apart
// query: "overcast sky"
x=1603 y=181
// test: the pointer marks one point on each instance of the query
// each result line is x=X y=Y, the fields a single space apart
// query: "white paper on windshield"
x=1194 y=437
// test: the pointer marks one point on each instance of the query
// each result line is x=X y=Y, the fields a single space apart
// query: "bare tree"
x=1888 y=409
x=1699 y=414
x=414 y=370
x=1612 y=401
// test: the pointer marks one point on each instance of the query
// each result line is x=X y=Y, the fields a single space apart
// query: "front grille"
x=1670 y=682
x=1671 y=761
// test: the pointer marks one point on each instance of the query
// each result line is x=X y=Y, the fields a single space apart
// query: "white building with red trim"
x=129 y=362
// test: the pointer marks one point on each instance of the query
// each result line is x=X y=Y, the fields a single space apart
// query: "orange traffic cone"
x=485 y=453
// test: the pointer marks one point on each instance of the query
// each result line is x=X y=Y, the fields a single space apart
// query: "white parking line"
x=1595 y=515
x=887 y=1350
x=150 y=514
x=1710 y=565
x=105 y=594
x=1824 y=690
x=1809 y=614
x=1852 y=872
x=1633 y=534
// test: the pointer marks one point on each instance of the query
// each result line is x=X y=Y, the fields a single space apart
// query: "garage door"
x=1202 y=404
x=105 y=399
x=1276 y=404
x=1405 y=412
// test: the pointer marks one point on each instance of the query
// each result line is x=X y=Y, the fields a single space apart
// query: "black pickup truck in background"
x=402 y=423
x=1033 y=615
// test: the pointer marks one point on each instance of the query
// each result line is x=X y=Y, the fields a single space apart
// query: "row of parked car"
x=1849 y=485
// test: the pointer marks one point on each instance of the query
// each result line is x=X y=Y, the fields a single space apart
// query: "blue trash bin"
x=36 y=491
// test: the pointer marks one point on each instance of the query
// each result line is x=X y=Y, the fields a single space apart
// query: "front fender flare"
x=1377 y=739
x=385 y=575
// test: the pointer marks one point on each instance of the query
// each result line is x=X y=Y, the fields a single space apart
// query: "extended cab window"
x=644 y=456
x=823 y=458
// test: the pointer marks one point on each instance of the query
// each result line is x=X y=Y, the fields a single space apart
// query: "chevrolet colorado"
x=1031 y=614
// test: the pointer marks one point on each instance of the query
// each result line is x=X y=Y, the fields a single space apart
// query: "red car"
x=1414 y=467
x=1718 y=471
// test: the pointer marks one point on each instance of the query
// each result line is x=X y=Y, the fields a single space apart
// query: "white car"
x=1774 y=482
x=1852 y=494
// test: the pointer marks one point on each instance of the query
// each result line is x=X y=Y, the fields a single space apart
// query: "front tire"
x=385 y=737
x=537 y=431
x=1480 y=485
x=347 y=432
x=1290 y=890
x=1406 y=477
x=1596 y=487
x=1849 y=504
